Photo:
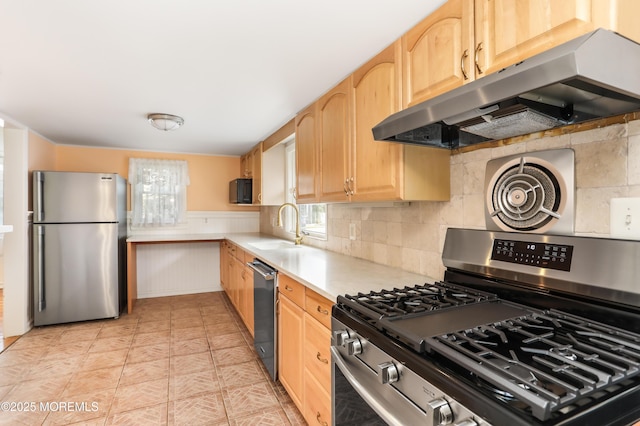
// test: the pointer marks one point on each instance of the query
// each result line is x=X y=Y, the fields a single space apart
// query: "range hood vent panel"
x=569 y=78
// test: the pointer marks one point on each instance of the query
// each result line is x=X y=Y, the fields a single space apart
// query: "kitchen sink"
x=273 y=245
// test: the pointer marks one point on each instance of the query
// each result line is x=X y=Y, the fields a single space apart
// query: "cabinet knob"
x=465 y=55
x=320 y=421
x=477 y=57
x=322 y=311
x=322 y=360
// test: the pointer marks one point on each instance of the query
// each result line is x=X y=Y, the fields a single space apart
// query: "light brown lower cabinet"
x=237 y=281
x=317 y=374
x=290 y=348
x=304 y=342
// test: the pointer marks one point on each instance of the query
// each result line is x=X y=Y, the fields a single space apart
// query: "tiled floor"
x=176 y=360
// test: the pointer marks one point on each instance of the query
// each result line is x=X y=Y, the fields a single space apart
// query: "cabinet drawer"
x=317 y=353
x=317 y=403
x=292 y=289
x=319 y=307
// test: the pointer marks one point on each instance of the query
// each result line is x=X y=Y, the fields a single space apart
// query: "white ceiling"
x=88 y=72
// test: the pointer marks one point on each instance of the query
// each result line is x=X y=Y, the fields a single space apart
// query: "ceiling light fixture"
x=165 y=122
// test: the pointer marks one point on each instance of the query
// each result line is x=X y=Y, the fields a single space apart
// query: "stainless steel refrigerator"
x=79 y=246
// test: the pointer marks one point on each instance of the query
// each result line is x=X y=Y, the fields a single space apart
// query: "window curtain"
x=158 y=191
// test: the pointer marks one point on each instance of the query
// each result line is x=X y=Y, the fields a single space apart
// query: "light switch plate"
x=352 y=231
x=625 y=218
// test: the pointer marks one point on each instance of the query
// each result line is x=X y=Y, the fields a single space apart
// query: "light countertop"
x=328 y=273
x=325 y=272
x=168 y=238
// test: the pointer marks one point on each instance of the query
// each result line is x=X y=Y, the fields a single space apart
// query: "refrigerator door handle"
x=42 y=301
x=39 y=196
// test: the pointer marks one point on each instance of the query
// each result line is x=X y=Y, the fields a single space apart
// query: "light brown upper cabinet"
x=256 y=173
x=339 y=161
x=251 y=167
x=438 y=52
x=334 y=138
x=508 y=31
x=467 y=39
x=307 y=167
x=384 y=171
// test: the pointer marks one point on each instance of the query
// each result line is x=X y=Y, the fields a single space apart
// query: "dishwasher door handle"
x=267 y=273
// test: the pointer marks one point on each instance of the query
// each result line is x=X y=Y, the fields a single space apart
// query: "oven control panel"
x=539 y=254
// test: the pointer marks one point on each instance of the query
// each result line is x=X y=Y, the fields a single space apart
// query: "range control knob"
x=440 y=412
x=388 y=372
x=354 y=347
x=467 y=422
x=341 y=337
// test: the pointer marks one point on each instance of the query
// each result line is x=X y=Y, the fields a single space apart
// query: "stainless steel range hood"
x=593 y=76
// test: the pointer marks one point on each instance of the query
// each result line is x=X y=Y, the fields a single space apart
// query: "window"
x=158 y=191
x=313 y=217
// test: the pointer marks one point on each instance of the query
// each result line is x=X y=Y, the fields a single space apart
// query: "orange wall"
x=42 y=156
x=209 y=175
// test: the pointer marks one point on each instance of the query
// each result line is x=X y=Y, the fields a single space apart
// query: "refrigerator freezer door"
x=75 y=272
x=70 y=197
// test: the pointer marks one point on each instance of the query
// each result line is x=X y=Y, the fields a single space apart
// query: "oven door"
x=350 y=398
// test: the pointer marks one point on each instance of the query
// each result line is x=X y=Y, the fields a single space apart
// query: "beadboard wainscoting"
x=178 y=268
x=186 y=268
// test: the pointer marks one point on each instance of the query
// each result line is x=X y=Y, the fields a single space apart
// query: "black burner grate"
x=411 y=300
x=545 y=362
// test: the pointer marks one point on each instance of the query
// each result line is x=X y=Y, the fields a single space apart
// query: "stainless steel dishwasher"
x=265 y=287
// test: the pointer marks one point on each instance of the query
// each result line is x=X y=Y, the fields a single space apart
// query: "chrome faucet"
x=298 y=239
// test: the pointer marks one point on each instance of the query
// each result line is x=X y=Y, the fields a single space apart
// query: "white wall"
x=17 y=312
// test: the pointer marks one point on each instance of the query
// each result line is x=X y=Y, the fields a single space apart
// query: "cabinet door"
x=246 y=298
x=224 y=269
x=334 y=138
x=290 y=349
x=508 y=31
x=317 y=409
x=256 y=172
x=244 y=166
x=438 y=52
x=376 y=95
x=306 y=156
x=317 y=355
x=236 y=281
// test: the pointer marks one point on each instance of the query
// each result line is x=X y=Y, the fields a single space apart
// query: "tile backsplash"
x=410 y=236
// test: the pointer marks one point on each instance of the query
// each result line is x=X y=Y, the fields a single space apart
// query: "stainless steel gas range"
x=525 y=329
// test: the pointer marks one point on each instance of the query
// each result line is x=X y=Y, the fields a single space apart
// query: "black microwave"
x=240 y=191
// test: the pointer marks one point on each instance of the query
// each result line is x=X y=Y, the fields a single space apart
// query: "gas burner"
x=565 y=352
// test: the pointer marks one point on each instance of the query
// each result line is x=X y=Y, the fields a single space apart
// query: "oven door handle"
x=368 y=397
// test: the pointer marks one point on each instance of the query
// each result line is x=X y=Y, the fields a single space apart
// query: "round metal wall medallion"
x=525 y=194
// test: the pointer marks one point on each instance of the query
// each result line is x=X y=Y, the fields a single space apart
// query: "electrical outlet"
x=352 y=231
x=625 y=218
x=274 y=221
